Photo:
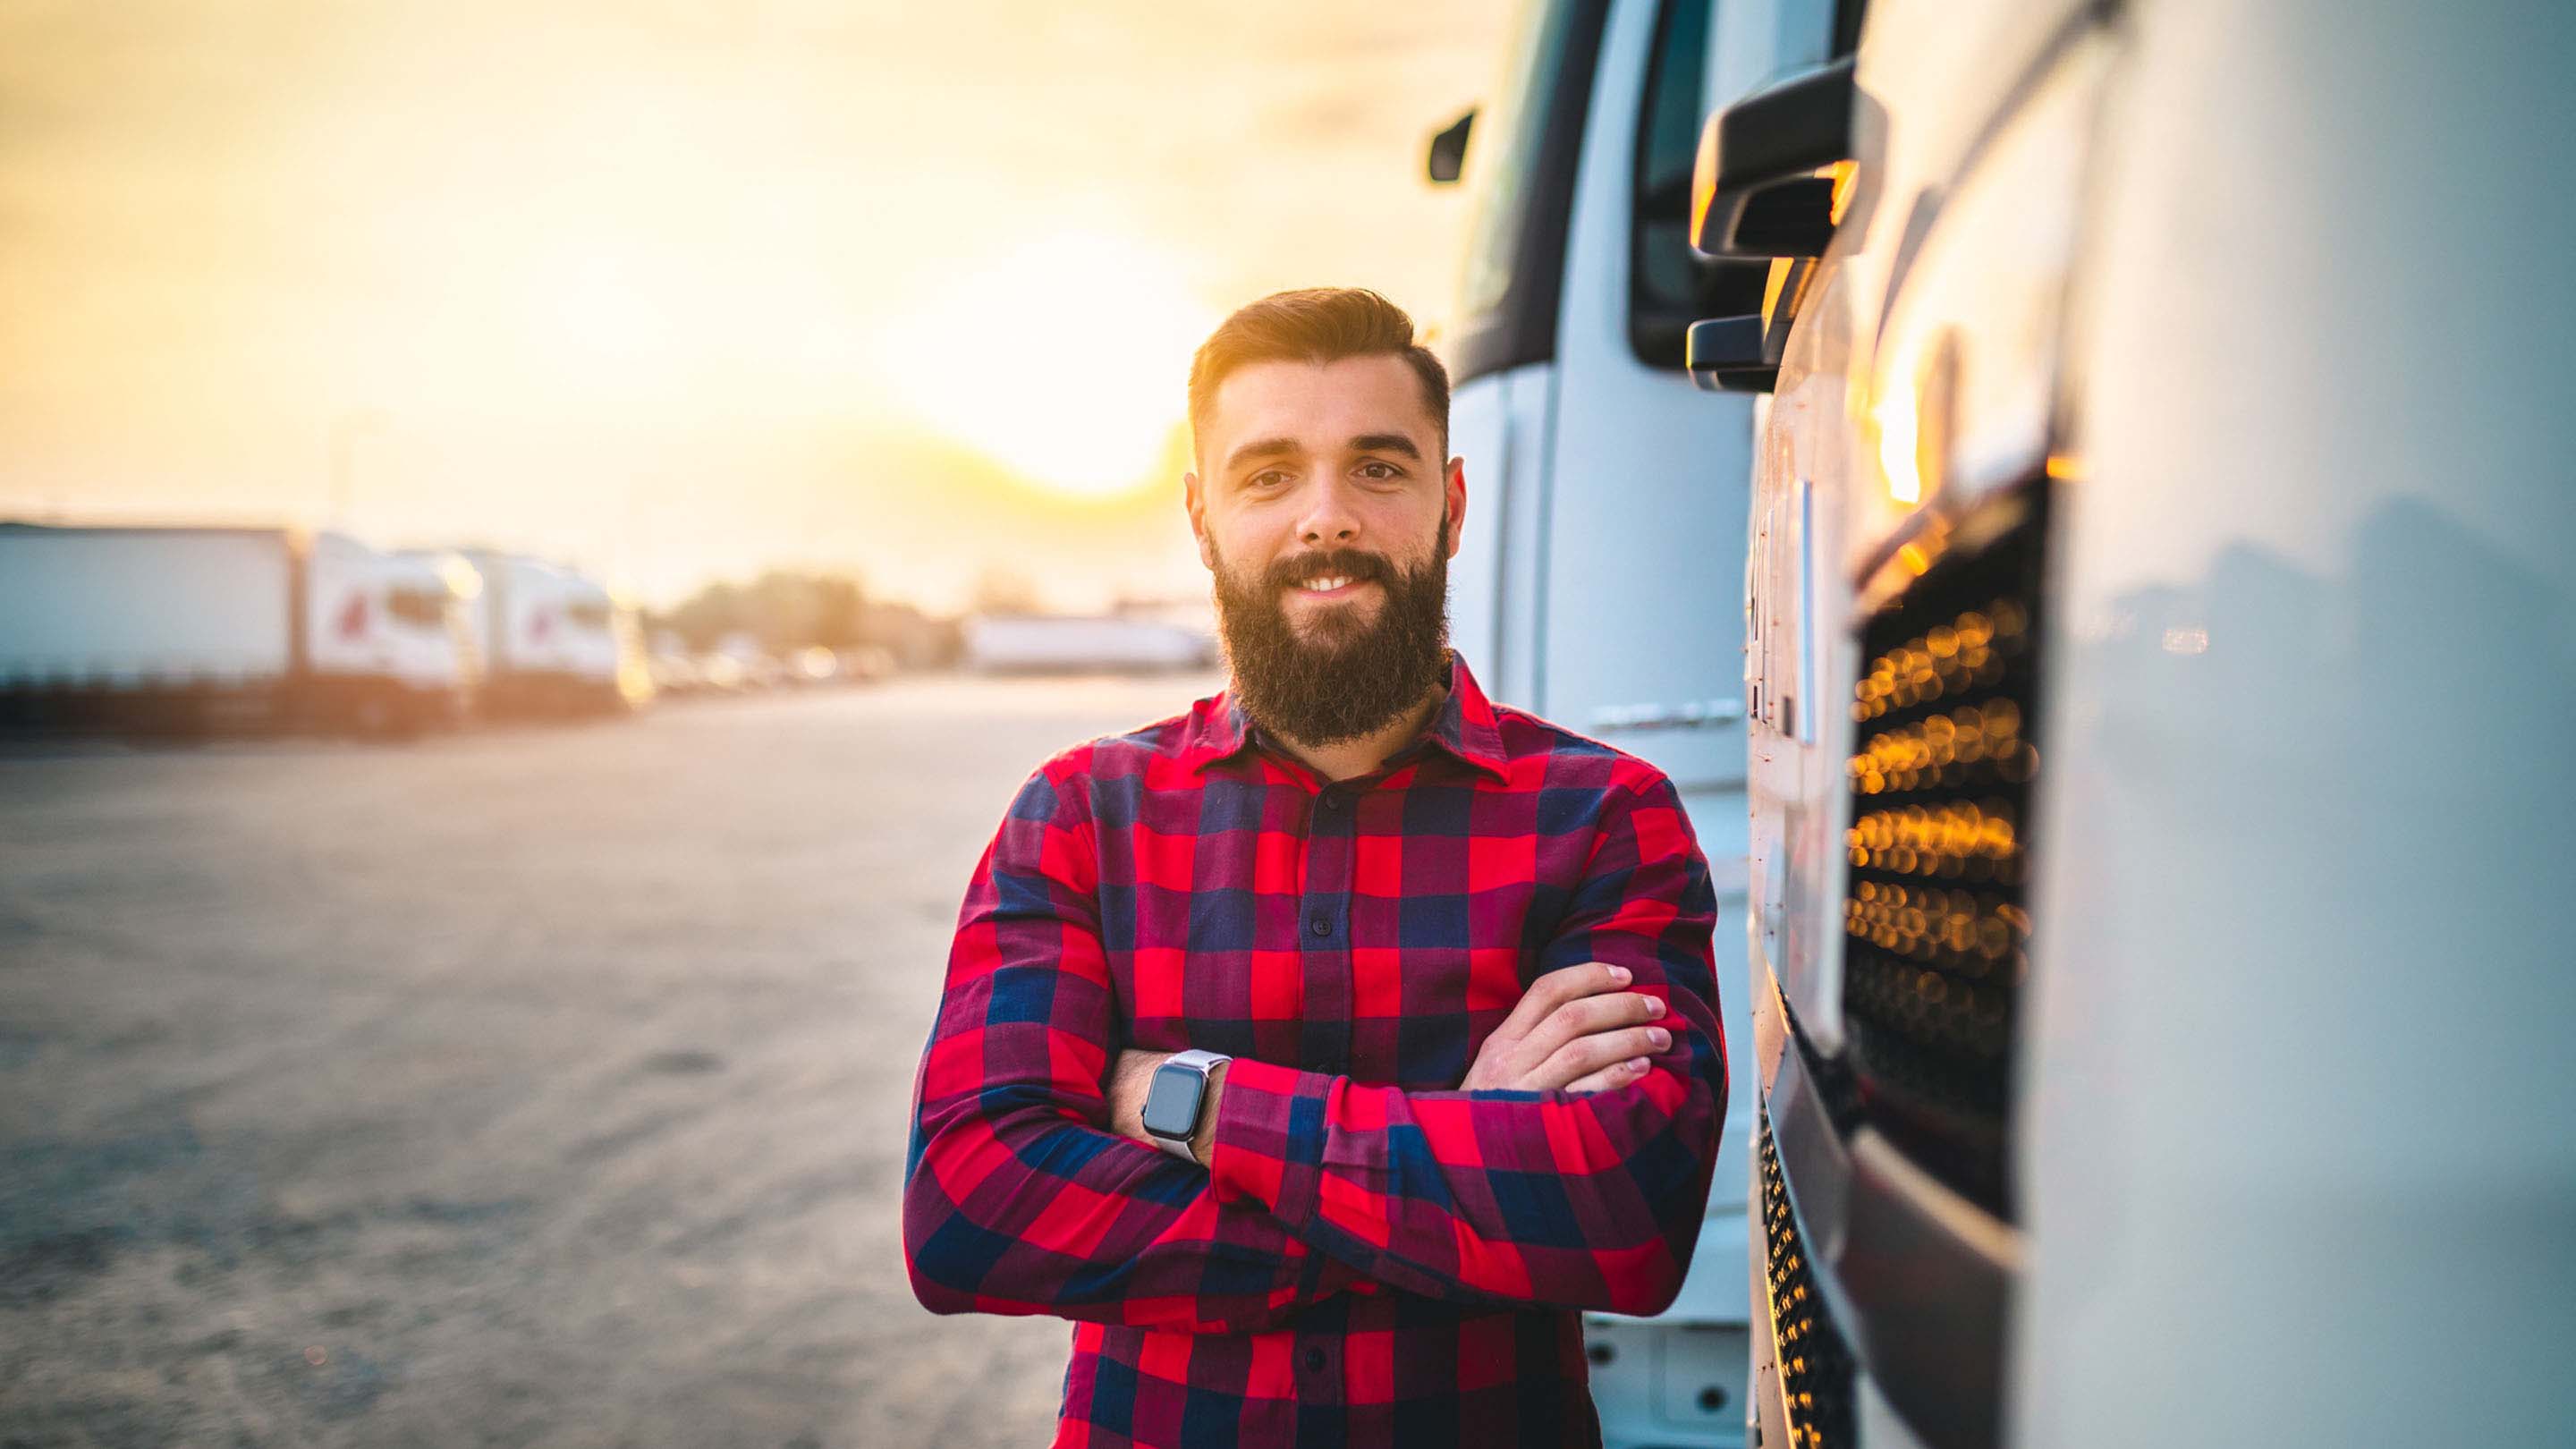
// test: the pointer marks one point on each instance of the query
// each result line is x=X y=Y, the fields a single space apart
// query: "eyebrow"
x=1396 y=443
x=1261 y=448
x=1386 y=443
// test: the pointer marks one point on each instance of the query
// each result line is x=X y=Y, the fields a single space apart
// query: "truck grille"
x=1939 y=843
x=1814 y=1363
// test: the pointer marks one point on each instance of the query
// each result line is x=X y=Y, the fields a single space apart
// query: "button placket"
x=1319 y=1369
x=1331 y=864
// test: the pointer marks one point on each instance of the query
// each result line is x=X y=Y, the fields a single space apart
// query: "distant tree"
x=784 y=609
x=999 y=590
x=840 y=613
x=707 y=616
x=782 y=612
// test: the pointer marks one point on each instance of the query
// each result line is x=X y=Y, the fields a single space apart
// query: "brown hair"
x=1315 y=324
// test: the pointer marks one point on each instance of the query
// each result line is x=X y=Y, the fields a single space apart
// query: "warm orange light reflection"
x=1896 y=448
x=1846 y=178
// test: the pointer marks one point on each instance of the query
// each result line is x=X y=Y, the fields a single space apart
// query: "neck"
x=1350 y=759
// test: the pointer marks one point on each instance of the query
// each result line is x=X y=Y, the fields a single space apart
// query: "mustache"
x=1358 y=565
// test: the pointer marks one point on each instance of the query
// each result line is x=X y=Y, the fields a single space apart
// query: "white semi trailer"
x=554 y=640
x=213 y=628
x=1063 y=644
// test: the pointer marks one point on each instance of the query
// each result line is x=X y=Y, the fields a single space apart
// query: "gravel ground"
x=527 y=1086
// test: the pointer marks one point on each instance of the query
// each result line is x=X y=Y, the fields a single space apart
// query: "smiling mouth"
x=1331 y=586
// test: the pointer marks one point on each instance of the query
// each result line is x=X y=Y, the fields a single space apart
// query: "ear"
x=1194 y=499
x=1454 y=488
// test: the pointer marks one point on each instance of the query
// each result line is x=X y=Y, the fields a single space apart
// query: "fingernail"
x=1637 y=1065
x=1654 y=1006
x=1620 y=976
x=1660 y=1037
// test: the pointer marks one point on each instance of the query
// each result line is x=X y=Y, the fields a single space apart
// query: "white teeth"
x=1325 y=586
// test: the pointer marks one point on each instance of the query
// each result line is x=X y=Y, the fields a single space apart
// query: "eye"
x=1267 y=478
x=1380 y=471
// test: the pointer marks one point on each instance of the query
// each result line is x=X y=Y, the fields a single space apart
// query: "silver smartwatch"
x=1177 y=1097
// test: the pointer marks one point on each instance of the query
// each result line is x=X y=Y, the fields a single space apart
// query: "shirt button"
x=1314 y=1360
x=1333 y=803
x=1319 y=925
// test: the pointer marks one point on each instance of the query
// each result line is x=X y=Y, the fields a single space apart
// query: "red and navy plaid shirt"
x=1372 y=1257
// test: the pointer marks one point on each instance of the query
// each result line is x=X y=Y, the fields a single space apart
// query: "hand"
x=1132 y=1076
x=1574 y=1029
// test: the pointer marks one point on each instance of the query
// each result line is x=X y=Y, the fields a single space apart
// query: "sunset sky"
x=682 y=290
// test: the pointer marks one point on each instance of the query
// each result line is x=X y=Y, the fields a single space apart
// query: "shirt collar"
x=1465 y=725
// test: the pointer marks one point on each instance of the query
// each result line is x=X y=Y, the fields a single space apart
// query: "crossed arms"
x=1021 y=1196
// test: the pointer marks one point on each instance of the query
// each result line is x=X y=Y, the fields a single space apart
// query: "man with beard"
x=1321 y=1052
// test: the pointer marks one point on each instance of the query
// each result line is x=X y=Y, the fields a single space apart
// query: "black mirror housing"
x=1448 y=156
x=1756 y=191
x=1727 y=354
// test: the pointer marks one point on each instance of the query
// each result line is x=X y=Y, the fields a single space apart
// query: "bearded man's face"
x=1344 y=669
x=1327 y=518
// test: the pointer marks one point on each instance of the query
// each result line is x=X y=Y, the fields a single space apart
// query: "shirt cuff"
x=1269 y=1143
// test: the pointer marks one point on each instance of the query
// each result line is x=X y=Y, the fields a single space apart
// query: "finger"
x=1588 y=1015
x=1567 y=983
x=1617 y=1074
x=1588 y=1054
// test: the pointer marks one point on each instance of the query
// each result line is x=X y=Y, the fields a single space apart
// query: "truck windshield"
x=1520 y=172
x=1669 y=285
x=417 y=608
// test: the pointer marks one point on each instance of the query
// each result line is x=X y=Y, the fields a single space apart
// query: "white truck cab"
x=554 y=640
x=2159 y=612
x=1600 y=581
x=390 y=634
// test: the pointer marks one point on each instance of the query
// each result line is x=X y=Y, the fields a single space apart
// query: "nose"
x=1331 y=520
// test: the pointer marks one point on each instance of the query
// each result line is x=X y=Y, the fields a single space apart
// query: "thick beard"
x=1350 y=679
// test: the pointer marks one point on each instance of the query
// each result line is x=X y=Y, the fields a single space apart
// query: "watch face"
x=1172 y=1102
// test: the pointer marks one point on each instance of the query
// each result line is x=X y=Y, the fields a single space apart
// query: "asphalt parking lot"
x=530 y=1086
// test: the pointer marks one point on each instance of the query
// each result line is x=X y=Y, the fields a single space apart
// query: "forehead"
x=1318 y=404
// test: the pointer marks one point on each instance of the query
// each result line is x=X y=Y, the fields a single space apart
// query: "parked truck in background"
x=2160 y=618
x=1067 y=643
x=1601 y=574
x=554 y=640
x=190 y=629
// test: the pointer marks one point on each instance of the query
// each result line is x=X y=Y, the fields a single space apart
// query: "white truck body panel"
x=2302 y=1033
x=2289 y=1052
x=130 y=608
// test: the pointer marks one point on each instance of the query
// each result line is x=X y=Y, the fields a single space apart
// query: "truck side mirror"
x=1763 y=187
x=1449 y=150
x=1757 y=190
x=1728 y=354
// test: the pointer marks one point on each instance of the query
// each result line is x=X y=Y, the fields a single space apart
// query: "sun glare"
x=1065 y=359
